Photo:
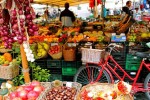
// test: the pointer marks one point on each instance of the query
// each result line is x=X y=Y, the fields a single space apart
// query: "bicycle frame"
x=136 y=87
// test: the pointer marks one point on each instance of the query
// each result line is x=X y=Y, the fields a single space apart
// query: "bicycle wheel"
x=147 y=86
x=83 y=77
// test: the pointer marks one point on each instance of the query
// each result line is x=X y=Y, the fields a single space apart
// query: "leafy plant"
x=39 y=74
x=19 y=80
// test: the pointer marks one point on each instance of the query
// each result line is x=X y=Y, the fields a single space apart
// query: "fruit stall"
x=38 y=61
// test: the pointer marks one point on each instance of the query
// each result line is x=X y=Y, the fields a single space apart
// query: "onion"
x=38 y=89
x=14 y=13
x=28 y=88
x=29 y=16
x=19 y=37
x=23 y=94
x=20 y=41
x=17 y=32
x=21 y=24
x=13 y=95
x=34 y=27
x=23 y=30
x=22 y=20
x=35 y=83
x=30 y=23
x=27 y=8
x=1 y=21
x=31 y=30
x=32 y=95
x=10 y=40
x=6 y=44
x=14 y=17
x=31 y=1
x=15 y=27
x=36 y=33
x=6 y=38
x=20 y=12
x=24 y=38
x=10 y=46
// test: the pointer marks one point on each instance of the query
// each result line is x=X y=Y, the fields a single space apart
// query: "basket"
x=69 y=53
x=104 y=87
x=9 y=72
x=91 y=55
x=74 y=84
x=56 y=56
x=5 y=50
x=46 y=85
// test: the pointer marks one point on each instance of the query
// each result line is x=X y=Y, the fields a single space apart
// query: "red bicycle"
x=97 y=70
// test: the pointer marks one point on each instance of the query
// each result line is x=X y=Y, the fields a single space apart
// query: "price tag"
x=69 y=84
x=53 y=44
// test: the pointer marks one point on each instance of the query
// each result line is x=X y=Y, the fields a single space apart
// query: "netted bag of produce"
x=55 y=52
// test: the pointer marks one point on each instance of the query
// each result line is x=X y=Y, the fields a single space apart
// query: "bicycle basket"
x=91 y=55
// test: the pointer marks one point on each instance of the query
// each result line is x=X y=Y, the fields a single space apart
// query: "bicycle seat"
x=143 y=54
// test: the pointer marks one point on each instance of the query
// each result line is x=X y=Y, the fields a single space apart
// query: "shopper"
x=67 y=17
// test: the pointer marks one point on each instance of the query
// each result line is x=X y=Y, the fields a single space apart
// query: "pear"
x=43 y=53
x=46 y=46
x=39 y=46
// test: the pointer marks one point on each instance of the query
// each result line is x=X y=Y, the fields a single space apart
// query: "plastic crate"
x=53 y=64
x=55 y=70
x=68 y=63
x=69 y=71
x=132 y=62
x=54 y=77
x=41 y=63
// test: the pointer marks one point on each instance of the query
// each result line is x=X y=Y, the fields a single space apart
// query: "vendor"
x=67 y=17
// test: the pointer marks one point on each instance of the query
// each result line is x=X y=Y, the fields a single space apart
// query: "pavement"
x=140 y=96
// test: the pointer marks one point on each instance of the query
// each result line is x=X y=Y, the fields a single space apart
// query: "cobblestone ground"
x=140 y=96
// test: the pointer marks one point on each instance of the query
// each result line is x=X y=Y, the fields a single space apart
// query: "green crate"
x=53 y=64
x=68 y=63
x=69 y=71
x=41 y=63
x=132 y=58
x=132 y=62
x=54 y=77
x=132 y=67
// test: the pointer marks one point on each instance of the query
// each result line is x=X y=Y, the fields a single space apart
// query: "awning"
x=61 y=3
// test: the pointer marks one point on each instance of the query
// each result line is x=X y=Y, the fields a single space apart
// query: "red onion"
x=6 y=38
x=28 y=8
x=14 y=13
x=13 y=95
x=38 y=89
x=20 y=12
x=31 y=1
x=33 y=95
x=19 y=37
x=34 y=27
x=1 y=21
x=6 y=44
x=5 y=33
x=24 y=38
x=13 y=34
x=10 y=40
x=20 y=41
x=17 y=32
x=15 y=27
x=23 y=94
x=36 y=33
x=31 y=30
x=9 y=47
x=29 y=16
x=23 y=30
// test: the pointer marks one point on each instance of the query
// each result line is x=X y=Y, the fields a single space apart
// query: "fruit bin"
x=53 y=63
x=77 y=86
x=132 y=62
x=9 y=72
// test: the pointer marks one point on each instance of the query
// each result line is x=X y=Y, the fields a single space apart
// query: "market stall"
x=40 y=60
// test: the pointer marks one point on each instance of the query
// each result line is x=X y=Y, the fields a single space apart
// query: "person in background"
x=67 y=17
x=127 y=9
x=137 y=13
